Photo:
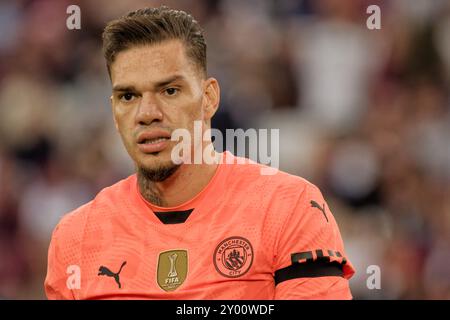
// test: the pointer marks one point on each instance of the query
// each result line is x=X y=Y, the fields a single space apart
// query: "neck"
x=183 y=185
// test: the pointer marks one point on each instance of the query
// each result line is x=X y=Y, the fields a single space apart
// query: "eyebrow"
x=158 y=85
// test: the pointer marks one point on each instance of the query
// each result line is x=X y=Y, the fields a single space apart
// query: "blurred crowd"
x=364 y=114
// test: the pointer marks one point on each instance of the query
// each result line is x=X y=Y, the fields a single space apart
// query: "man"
x=175 y=230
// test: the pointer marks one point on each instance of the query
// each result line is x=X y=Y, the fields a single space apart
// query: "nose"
x=148 y=111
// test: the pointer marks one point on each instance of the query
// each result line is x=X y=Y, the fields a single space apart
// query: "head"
x=156 y=59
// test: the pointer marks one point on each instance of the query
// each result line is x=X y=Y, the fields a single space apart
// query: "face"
x=156 y=89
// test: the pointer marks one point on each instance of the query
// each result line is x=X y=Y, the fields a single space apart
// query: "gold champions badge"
x=172 y=269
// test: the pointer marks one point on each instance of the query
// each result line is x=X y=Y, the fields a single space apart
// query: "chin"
x=154 y=161
x=157 y=171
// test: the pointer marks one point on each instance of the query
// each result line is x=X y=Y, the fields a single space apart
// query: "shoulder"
x=265 y=180
x=277 y=199
x=73 y=223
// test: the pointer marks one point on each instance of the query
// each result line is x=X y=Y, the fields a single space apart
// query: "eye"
x=127 y=96
x=171 y=91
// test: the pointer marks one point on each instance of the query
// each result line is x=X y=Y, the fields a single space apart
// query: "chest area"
x=191 y=261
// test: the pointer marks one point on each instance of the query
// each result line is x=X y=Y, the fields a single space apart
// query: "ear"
x=113 y=112
x=211 y=98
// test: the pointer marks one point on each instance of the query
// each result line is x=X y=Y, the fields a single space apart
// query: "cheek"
x=196 y=110
x=192 y=116
x=125 y=128
x=184 y=114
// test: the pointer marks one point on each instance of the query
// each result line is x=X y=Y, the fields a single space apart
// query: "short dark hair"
x=154 y=25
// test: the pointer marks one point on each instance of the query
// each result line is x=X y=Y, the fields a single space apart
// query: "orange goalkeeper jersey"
x=244 y=236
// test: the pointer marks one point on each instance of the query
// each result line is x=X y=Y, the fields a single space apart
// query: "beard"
x=148 y=177
x=158 y=174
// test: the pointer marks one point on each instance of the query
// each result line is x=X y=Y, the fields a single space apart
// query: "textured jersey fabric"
x=246 y=236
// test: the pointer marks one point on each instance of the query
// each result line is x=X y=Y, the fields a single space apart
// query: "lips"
x=153 y=141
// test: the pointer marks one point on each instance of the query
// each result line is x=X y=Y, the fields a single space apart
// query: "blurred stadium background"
x=363 y=114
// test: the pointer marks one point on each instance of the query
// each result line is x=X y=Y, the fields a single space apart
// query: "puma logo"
x=314 y=204
x=104 y=271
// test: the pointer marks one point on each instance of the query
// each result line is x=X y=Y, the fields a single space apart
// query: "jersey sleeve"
x=56 y=280
x=310 y=261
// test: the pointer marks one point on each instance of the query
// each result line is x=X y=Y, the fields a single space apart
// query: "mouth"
x=153 y=142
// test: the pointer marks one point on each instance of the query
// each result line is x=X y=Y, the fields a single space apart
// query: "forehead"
x=152 y=62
